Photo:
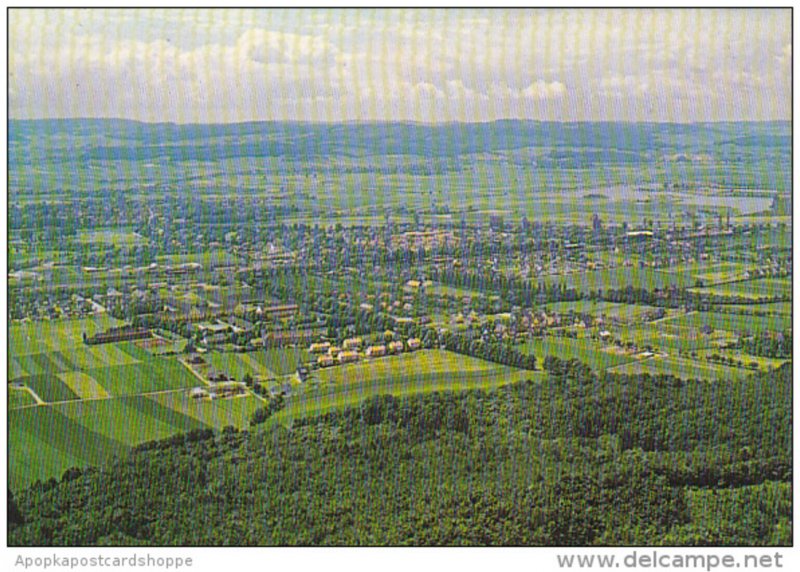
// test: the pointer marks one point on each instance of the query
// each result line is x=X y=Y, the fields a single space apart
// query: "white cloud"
x=544 y=90
x=461 y=64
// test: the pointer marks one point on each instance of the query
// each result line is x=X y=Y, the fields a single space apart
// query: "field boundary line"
x=194 y=373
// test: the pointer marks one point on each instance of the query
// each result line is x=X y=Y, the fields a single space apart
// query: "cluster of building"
x=350 y=351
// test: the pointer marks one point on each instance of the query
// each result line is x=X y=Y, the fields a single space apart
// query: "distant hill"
x=70 y=140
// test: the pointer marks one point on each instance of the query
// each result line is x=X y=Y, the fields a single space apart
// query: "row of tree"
x=574 y=459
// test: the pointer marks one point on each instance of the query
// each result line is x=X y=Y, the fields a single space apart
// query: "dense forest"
x=578 y=458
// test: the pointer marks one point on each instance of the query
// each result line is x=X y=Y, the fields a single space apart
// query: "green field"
x=585 y=350
x=83 y=385
x=282 y=361
x=624 y=312
x=745 y=358
x=419 y=372
x=237 y=365
x=754 y=289
x=55 y=335
x=682 y=368
x=111 y=237
x=45 y=441
x=157 y=374
x=19 y=398
x=768 y=308
x=735 y=323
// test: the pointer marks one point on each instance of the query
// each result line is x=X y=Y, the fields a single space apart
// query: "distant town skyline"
x=426 y=65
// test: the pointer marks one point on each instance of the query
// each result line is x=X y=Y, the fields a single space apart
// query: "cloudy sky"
x=422 y=65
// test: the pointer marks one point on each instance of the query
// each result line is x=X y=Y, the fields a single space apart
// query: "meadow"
x=592 y=353
x=682 y=368
x=419 y=372
x=753 y=289
x=45 y=441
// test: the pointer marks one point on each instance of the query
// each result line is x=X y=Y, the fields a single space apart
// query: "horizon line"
x=406 y=121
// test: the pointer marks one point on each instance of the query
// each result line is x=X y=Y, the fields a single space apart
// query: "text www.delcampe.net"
x=654 y=559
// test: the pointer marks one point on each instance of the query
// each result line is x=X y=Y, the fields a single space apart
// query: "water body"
x=744 y=205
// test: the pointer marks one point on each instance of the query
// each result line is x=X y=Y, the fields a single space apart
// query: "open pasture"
x=592 y=353
x=624 y=312
x=754 y=289
x=722 y=272
x=682 y=368
x=735 y=323
x=281 y=361
x=218 y=414
x=669 y=336
x=622 y=277
x=419 y=372
x=237 y=365
x=54 y=335
x=83 y=385
x=49 y=387
x=119 y=238
x=19 y=398
x=45 y=441
x=157 y=374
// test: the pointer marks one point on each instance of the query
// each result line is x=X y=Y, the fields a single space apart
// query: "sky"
x=425 y=65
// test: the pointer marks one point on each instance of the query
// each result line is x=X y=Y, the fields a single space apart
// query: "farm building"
x=319 y=348
x=218 y=328
x=118 y=335
x=353 y=343
x=280 y=311
x=414 y=344
x=347 y=357
x=396 y=347
x=325 y=360
x=218 y=376
x=376 y=351
x=198 y=393
x=224 y=391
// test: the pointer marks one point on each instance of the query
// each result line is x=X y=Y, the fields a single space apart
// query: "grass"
x=282 y=361
x=19 y=398
x=584 y=350
x=83 y=385
x=237 y=365
x=746 y=359
x=111 y=237
x=217 y=414
x=754 y=289
x=682 y=368
x=420 y=372
x=66 y=443
x=734 y=322
x=49 y=387
x=598 y=309
x=620 y=277
x=157 y=374
x=115 y=419
x=770 y=308
x=45 y=441
x=445 y=290
x=55 y=335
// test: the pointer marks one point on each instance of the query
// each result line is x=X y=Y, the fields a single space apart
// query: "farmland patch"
x=49 y=387
x=83 y=385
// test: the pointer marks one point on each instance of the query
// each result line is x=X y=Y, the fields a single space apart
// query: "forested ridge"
x=574 y=459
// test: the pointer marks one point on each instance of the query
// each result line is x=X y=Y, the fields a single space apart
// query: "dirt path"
x=667 y=318
x=194 y=373
x=40 y=402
